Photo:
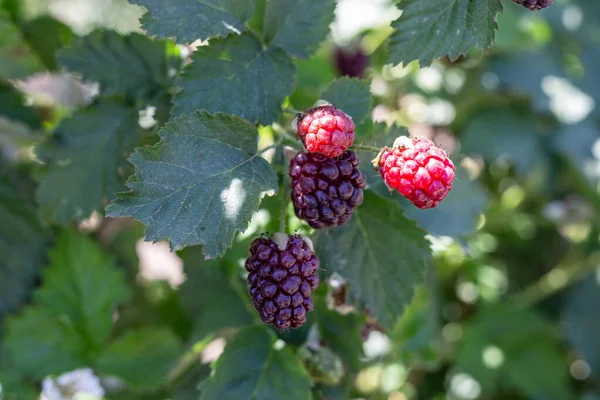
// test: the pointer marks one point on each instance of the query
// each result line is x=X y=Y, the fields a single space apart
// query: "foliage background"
x=509 y=308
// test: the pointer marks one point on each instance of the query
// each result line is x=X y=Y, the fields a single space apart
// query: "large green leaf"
x=205 y=282
x=236 y=75
x=46 y=35
x=381 y=254
x=352 y=96
x=83 y=286
x=141 y=358
x=285 y=18
x=200 y=184
x=40 y=344
x=23 y=242
x=83 y=158
x=504 y=132
x=252 y=368
x=17 y=60
x=505 y=344
x=429 y=29
x=189 y=20
x=132 y=65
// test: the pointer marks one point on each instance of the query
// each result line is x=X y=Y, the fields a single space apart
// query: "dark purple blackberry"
x=283 y=273
x=351 y=62
x=534 y=4
x=326 y=191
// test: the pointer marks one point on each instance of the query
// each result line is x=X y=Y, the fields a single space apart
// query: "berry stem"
x=365 y=147
x=286 y=136
x=285 y=194
x=290 y=110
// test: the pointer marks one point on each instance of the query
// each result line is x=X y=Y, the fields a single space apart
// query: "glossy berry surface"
x=282 y=275
x=418 y=169
x=326 y=191
x=534 y=5
x=326 y=130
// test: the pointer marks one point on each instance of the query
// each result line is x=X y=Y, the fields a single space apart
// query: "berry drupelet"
x=283 y=273
x=325 y=130
x=326 y=191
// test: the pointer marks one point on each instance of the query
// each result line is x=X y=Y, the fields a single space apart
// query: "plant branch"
x=365 y=147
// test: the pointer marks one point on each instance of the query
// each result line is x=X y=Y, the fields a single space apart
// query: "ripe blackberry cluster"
x=283 y=273
x=326 y=191
x=327 y=185
x=418 y=169
x=534 y=5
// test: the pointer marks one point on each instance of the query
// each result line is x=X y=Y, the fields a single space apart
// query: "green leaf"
x=205 y=282
x=84 y=156
x=429 y=29
x=381 y=254
x=341 y=333
x=141 y=358
x=503 y=132
x=46 y=35
x=200 y=184
x=284 y=19
x=189 y=20
x=13 y=107
x=505 y=344
x=132 y=65
x=252 y=368
x=352 y=96
x=23 y=242
x=83 y=286
x=236 y=75
x=40 y=344
x=17 y=60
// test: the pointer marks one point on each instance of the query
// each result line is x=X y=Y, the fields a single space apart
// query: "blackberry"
x=534 y=4
x=283 y=273
x=326 y=191
x=351 y=62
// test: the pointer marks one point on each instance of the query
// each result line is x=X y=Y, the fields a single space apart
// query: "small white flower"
x=80 y=384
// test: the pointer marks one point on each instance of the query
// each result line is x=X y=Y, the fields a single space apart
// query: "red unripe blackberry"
x=534 y=5
x=283 y=273
x=325 y=130
x=418 y=169
x=326 y=191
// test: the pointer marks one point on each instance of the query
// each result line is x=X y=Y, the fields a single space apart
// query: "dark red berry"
x=325 y=130
x=351 y=62
x=420 y=171
x=326 y=191
x=534 y=5
x=283 y=273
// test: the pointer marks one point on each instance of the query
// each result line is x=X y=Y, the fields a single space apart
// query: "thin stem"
x=365 y=147
x=290 y=110
x=284 y=202
x=553 y=282
x=285 y=135
x=274 y=145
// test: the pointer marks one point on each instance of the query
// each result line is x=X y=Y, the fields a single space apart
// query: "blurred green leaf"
x=507 y=345
x=285 y=18
x=207 y=281
x=504 y=132
x=200 y=184
x=189 y=20
x=12 y=106
x=23 y=241
x=17 y=60
x=40 y=344
x=352 y=96
x=253 y=368
x=83 y=158
x=132 y=65
x=341 y=333
x=236 y=75
x=46 y=35
x=429 y=29
x=82 y=286
x=314 y=74
x=381 y=254
x=141 y=358
x=188 y=388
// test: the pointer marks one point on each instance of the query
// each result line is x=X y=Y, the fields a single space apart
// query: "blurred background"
x=513 y=309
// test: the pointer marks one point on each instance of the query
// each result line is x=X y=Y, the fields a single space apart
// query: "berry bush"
x=299 y=199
